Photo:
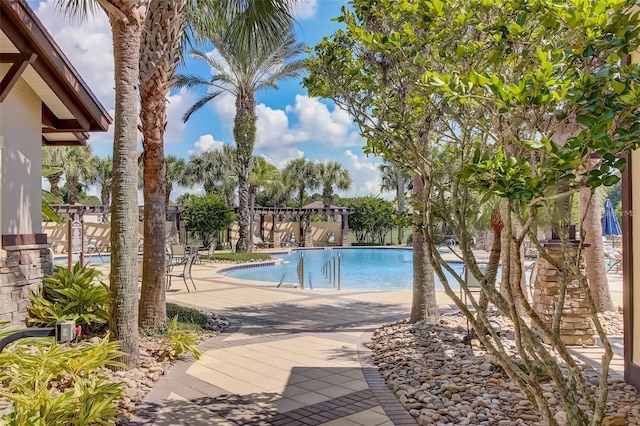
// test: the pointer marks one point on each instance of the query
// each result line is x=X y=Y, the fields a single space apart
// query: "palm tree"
x=127 y=22
x=103 y=170
x=174 y=174
x=75 y=162
x=301 y=175
x=394 y=178
x=214 y=171
x=161 y=53
x=54 y=157
x=331 y=175
x=242 y=70
x=263 y=176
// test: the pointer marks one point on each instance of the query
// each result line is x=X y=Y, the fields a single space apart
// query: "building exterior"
x=43 y=101
x=631 y=263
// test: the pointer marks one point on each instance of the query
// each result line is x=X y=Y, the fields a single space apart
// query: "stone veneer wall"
x=576 y=327
x=21 y=272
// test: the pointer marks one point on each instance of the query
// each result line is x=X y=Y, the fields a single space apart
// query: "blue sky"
x=290 y=123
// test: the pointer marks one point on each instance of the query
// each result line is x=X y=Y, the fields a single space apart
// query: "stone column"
x=576 y=327
x=346 y=232
x=308 y=241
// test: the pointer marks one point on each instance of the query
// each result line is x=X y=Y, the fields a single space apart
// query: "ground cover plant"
x=499 y=106
x=51 y=384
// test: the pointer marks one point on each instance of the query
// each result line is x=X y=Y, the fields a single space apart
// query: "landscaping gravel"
x=442 y=381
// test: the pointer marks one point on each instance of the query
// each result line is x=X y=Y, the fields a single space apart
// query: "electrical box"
x=65 y=331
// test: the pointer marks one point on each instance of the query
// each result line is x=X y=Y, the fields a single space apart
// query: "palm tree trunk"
x=153 y=118
x=105 y=199
x=72 y=189
x=301 y=196
x=123 y=316
x=244 y=132
x=594 y=254
x=158 y=61
x=167 y=192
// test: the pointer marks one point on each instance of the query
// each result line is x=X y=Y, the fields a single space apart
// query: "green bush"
x=185 y=314
x=242 y=257
x=53 y=384
x=71 y=295
x=178 y=342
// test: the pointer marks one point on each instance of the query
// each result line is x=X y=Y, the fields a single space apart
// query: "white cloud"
x=88 y=45
x=334 y=128
x=364 y=173
x=207 y=143
x=225 y=106
x=305 y=9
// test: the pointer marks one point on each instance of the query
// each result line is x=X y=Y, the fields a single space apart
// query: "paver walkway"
x=291 y=357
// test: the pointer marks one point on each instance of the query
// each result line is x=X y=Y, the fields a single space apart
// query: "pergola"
x=304 y=215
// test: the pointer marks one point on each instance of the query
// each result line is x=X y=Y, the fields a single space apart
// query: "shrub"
x=178 y=342
x=53 y=384
x=71 y=295
x=242 y=257
x=185 y=314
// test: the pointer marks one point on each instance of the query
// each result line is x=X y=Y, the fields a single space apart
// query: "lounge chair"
x=259 y=242
x=183 y=271
x=331 y=239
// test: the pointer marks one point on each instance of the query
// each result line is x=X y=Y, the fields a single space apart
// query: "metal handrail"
x=332 y=270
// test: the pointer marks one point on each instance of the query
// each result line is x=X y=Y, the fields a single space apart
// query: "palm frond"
x=199 y=104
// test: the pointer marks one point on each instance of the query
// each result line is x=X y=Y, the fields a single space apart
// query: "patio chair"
x=178 y=252
x=614 y=259
x=184 y=268
x=259 y=242
x=208 y=251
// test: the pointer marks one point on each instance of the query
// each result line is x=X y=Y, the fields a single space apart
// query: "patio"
x=292 y=357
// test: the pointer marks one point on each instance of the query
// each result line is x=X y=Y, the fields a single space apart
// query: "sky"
x=291 y=124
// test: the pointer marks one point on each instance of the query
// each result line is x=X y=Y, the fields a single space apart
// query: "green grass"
x=189 y=319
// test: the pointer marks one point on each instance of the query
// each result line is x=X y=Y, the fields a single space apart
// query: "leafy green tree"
x=371 y=219
x=515 y=97
x=206 y=215
x=75 y=162
x=242 y=70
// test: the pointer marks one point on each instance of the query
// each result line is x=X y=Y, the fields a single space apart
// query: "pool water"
x=362 y=269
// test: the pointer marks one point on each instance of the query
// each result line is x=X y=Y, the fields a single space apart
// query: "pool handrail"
x=332 y=270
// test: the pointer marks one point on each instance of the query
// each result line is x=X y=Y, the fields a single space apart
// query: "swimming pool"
x=362 y=269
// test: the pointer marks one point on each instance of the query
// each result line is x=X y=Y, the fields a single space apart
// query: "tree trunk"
x=158 y=61
x=105 y=199
x=123 y=316
x=595 y=268
x=301 y=196
x=511 y=261
x=72 y=189
x=244 y=132
x=424 y=306
x=400 y=198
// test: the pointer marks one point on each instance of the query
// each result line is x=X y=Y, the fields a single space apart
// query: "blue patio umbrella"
x=610 y=225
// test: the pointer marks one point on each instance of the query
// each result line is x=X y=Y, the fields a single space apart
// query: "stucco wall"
x=21 y=127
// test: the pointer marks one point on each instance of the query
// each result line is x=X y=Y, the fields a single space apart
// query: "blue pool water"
x=362 y=269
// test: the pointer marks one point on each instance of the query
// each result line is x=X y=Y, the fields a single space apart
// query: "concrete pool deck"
x=291 y=357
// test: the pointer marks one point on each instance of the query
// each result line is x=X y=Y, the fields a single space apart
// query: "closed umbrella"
x=610 y=225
